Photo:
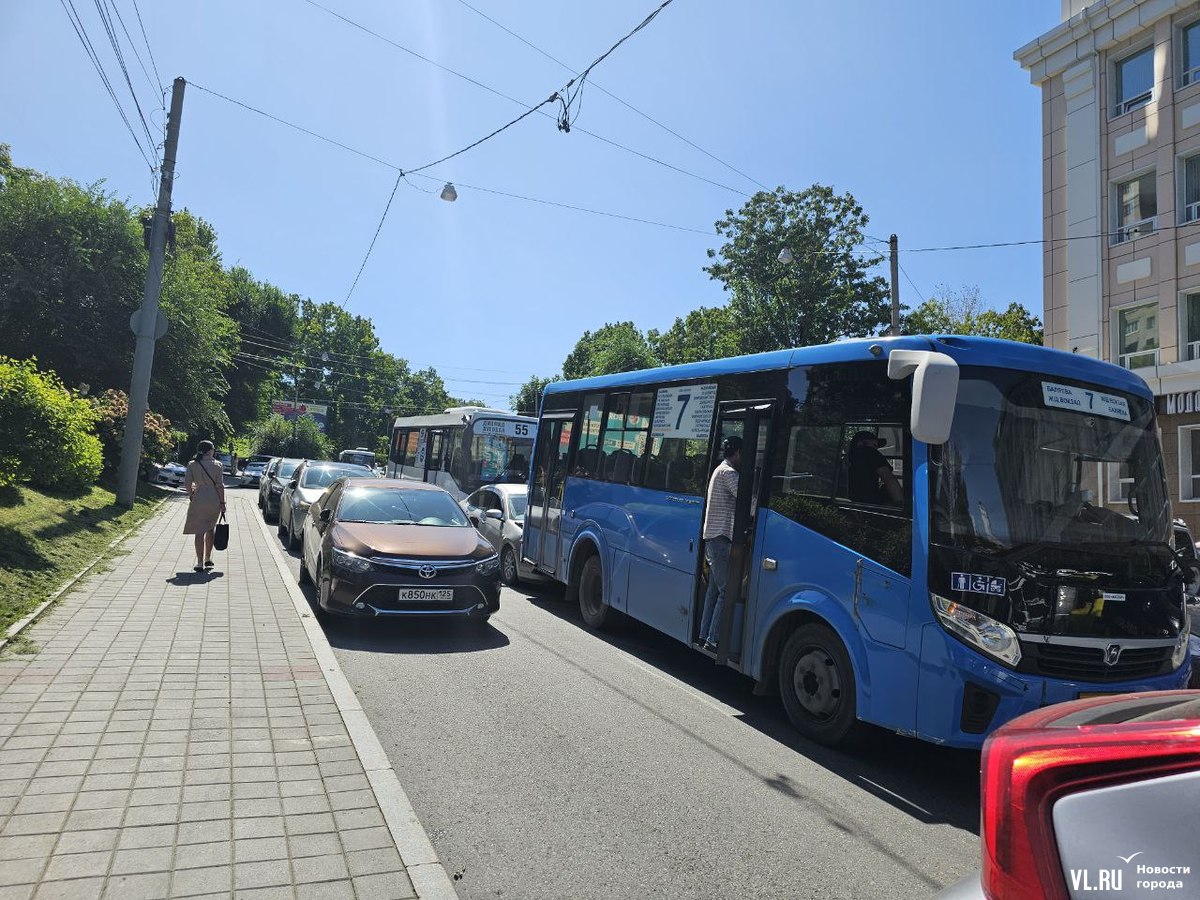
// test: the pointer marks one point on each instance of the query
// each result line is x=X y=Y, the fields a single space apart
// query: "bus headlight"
x=489 y=566
x=348 y=562
x=992 y=637
x=1180 y=653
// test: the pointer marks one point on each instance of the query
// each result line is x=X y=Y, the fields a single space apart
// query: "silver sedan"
x=498 y=511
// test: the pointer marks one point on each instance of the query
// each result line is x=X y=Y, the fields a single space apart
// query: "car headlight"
x=1180 y=653
x=992 y=637
x=489 y=566
x=348 y=562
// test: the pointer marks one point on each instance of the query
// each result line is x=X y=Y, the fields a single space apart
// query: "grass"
x=47 y=537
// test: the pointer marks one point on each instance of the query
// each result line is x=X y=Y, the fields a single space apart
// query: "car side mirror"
x=295 y=482
x=493 y=514
x=326 y=515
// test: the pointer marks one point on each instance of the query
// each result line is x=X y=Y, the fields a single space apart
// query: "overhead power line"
x=149 y=50
x=115 y=42
x=90 y=49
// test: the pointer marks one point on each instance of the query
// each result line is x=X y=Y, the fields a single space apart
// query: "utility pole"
x=894 y=248
x=148 y=324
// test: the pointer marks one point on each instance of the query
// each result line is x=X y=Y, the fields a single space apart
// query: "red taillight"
x=1034 y=760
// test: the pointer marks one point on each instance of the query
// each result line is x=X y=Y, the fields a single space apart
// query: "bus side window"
x=587 y=458
x=810 y=470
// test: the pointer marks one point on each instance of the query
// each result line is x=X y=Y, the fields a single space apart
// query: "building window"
x=1134 y=81
x=1189 y=54
x=1189 y=464
x=1190 y=188
x=1137 y=341
x=1191 y=325
x=1137 y=207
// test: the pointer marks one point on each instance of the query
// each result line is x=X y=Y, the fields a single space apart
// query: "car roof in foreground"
x=394 y=484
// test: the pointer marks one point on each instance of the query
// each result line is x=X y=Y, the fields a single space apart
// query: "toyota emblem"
x=1111 y=654
x=427 y=571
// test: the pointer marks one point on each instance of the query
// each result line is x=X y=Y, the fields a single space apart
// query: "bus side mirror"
x=934 y=391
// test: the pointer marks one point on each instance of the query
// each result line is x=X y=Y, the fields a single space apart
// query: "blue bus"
x=1003 y=578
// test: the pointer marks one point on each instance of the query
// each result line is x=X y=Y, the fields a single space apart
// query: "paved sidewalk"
x=175 y=735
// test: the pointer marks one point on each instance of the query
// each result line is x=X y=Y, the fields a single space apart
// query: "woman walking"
x=205 y=486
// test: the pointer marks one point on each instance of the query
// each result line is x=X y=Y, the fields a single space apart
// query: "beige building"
x=1120 y=82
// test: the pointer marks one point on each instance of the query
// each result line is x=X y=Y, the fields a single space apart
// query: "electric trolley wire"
x=374 y=238
x=537 y=107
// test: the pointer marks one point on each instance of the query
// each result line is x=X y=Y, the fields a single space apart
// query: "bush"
x=274 y=436
x=112 y=408
x=46 y=434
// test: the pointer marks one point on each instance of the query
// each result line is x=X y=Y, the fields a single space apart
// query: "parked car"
x=227 y=463
x=397 y=548
x=172 y=474
x=270 y=487
x=1082 y=796
x=252 y=473
x=498 y=511
x=307 y=483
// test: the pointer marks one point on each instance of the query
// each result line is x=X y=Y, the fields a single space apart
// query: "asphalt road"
x=546 y=761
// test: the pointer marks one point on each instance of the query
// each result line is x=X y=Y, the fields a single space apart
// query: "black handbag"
x=221 y=534
x=221 y=531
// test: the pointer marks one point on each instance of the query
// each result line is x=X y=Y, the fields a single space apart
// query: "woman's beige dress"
x=205 y=506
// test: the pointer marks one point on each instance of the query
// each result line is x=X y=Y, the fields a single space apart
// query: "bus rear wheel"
x=816 y=683
x=596 y=613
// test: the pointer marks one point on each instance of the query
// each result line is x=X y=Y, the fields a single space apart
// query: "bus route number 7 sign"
x=684 y=412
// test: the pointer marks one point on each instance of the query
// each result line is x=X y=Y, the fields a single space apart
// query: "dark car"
x=308 y=482
x=270 y=487
x=1095 y=795
x=397 y=548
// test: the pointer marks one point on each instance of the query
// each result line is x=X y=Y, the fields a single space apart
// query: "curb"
x=21 y=624
x=425 y=870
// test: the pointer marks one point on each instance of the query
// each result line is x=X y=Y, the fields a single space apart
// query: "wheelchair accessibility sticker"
x=978 y=584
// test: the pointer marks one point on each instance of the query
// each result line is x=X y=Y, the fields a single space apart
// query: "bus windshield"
x=1026 y=461
x=500 y=457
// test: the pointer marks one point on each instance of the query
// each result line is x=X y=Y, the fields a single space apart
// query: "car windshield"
x=322 y=476
x=287 y=467
x=397 y=506
x=517 y=504
x=1027 y=456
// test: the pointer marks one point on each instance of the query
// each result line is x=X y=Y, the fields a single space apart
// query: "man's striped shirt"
x=722 y=500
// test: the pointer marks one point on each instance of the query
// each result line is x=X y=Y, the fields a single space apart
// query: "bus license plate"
x=426 y=594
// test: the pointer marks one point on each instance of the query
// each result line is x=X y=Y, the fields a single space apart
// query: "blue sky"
x=917 y=109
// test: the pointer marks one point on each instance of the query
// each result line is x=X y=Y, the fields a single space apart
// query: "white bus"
x=463 y=448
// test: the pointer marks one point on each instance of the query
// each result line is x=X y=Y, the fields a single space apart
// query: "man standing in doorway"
x=719 y=507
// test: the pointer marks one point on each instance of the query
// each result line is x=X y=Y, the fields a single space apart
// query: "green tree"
x=618 y=347
x=709 y=332
x=962 y=311
x=528 y=397
x=823 y=294
x=274 y=435
x=45 y=431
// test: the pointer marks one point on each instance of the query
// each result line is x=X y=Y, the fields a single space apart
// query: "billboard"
x=316 y=411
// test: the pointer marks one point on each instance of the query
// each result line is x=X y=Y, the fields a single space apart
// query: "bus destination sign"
x=1084 y=400
x=685 y=412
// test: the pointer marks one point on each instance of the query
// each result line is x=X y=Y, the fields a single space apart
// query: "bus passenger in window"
x=871 y=477
x=719 y=506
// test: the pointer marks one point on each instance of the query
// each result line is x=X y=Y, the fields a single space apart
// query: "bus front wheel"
x=595 y=611
x=816 y=683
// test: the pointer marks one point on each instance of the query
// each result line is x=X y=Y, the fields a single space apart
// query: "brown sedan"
x=397 y=548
